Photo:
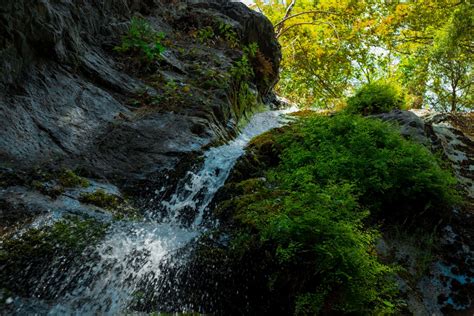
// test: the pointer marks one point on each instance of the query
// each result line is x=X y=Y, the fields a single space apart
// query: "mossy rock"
x=69 y=179
x=118 y=206
x=101 y=199
x=54 y=183
x=26 y=258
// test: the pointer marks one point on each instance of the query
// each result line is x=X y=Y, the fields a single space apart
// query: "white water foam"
x=134 y=253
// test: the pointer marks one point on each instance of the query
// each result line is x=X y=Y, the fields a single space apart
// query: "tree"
x=319 y=48
x=333 y=47
x=452 y=63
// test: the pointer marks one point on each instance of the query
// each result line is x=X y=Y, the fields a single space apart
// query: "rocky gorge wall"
x=66 y=92
x=69 y=100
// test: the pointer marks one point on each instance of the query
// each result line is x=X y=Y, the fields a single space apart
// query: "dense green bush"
x=393 y=177
x=374 y=98
x=317 y=208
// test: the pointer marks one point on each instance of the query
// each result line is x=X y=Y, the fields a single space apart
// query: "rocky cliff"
x=71 y=99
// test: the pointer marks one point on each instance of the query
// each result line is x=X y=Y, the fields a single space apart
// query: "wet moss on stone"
x=25 y=258
x=101 y=199
x=69 y=179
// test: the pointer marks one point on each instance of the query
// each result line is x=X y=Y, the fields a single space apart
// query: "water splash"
x=198 y=189
x=136 y=255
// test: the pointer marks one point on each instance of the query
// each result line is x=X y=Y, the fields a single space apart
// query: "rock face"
x=67 y=97
x=447 y=287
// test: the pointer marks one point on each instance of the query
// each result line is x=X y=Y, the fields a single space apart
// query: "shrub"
x=374 y=98
x=393 y=177
x=141 y=39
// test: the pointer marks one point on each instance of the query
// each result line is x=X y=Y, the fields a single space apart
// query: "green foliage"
x=333 y=47
x=451 y=67
x=227 y=32
x=101 y=198
x=141 y=39
x=251 y=50
x=388 y=173
x=311 y=213
x=221 y=31
x=375 y=98
x=242 y=70
x=205 y=34
x=29 y=255
x=319 y=229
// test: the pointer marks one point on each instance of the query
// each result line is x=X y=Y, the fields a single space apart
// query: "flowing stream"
x=135 y=253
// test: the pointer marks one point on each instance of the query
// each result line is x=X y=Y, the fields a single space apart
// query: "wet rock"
x=411 y=126
x=66 y=93
x=68 y=100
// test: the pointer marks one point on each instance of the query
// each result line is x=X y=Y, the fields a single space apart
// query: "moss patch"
x=67 y=178
x=101 y=199
x=25 y=258
x=55 y=183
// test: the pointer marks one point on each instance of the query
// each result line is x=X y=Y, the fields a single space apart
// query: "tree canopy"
x=332 y=47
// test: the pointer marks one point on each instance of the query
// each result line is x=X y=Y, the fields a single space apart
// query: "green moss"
x=101 y=199
x=120 y=208
x=52 y=190
x=67 y=178
x=54 y=183
x=24 y=258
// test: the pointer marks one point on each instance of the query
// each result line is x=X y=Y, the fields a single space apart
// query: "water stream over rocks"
x=137 y=254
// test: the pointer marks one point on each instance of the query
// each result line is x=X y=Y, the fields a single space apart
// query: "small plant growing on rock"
x=242 y=70
x=205 y=34
x=143 y=40
x=227 y=33
x=223 y=31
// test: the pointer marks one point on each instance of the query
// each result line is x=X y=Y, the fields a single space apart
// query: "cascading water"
x=137 y=253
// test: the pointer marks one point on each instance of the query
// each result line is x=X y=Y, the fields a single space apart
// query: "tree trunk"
x=287 y=14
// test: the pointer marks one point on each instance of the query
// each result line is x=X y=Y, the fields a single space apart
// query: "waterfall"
x=135 y=253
